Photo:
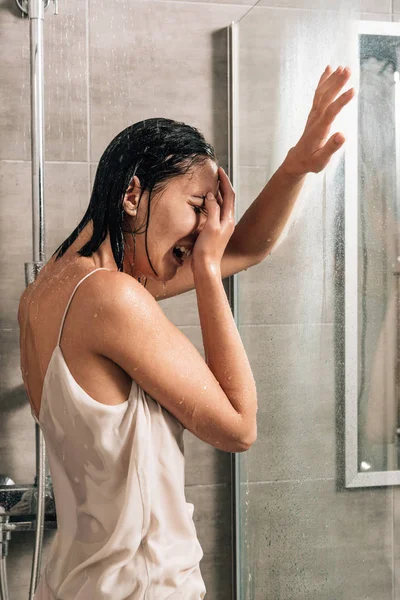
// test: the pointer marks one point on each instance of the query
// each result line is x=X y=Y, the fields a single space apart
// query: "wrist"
x=206 y=268
x=292 y=166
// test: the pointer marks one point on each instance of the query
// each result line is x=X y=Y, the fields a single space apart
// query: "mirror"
x=372 y=254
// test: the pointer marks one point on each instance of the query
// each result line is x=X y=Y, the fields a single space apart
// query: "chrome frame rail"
x=34 y=9
x=233 y=293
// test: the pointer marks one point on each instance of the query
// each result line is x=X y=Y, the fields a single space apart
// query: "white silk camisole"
x=124 y=528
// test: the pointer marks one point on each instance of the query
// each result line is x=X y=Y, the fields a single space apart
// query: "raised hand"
x=313 y=152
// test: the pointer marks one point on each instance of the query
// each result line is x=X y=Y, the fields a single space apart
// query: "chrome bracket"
x=23 y=5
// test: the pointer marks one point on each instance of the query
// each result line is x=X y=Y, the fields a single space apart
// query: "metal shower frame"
x=10 y=495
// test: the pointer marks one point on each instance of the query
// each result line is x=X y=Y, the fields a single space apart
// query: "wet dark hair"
x=155 y=150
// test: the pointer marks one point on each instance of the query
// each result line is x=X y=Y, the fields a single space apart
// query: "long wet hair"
x=155 y=150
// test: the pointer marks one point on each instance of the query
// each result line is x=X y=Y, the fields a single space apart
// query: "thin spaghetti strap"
x=72 y=295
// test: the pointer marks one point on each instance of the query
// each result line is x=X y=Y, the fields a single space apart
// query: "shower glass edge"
x=233 y=122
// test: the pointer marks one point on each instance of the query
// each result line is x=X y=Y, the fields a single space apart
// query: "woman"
x=112 y=383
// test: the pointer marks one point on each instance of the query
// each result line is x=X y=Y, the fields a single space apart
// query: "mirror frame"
x=353 y=477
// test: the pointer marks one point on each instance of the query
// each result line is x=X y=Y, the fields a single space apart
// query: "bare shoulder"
x=117 y=300
x=114 y=290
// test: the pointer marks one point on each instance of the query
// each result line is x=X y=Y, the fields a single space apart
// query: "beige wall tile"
x=15 y=89
x=310 y=540
x=65 y=77
x=278 y=72
x=65 y=194
x=294 y=368
x=66 y=82
x=17 y=427
x=376 y=16
x=212 y=517
x=296 y=282
x=164 y=59
x=383 y=6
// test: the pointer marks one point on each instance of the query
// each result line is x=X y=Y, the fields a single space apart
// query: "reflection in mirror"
x=378 y=257
x=378 y=251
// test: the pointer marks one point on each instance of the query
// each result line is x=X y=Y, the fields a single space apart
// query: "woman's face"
x=176 y=218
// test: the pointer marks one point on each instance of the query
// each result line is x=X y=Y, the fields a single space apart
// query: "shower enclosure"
x=318 y=502
x=284 y=520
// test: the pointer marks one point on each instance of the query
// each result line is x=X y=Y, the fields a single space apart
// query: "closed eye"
x=199 y=209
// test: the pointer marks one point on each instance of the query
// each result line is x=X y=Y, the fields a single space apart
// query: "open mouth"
x=180 y=253
x=176 y=257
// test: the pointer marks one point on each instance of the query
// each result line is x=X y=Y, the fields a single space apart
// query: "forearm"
x=224 y=351
x=262 y=224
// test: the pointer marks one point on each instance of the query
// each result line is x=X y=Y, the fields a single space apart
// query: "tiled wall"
x=108 y=65
x=304 y=535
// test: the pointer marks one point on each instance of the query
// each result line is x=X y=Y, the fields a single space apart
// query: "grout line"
x=277 y=481
x=47 y=162
x=238 y=5
x=205 y=485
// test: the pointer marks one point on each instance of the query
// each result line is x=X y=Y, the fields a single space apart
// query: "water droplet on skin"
x=205 y=387
x=95 y=315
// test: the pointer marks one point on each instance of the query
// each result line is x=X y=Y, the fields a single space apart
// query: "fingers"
x=334 y=109
x=227 y=194
x=334 y=88
x=329 y=88
x=325 y=75
x=324 y=154
x=213 y=210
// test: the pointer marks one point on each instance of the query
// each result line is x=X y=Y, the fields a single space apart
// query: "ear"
x=132 y=195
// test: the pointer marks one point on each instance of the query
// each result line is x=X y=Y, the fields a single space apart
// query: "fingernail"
x=339 y=69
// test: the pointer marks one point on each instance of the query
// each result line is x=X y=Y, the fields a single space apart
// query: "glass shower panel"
x=303 y=535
